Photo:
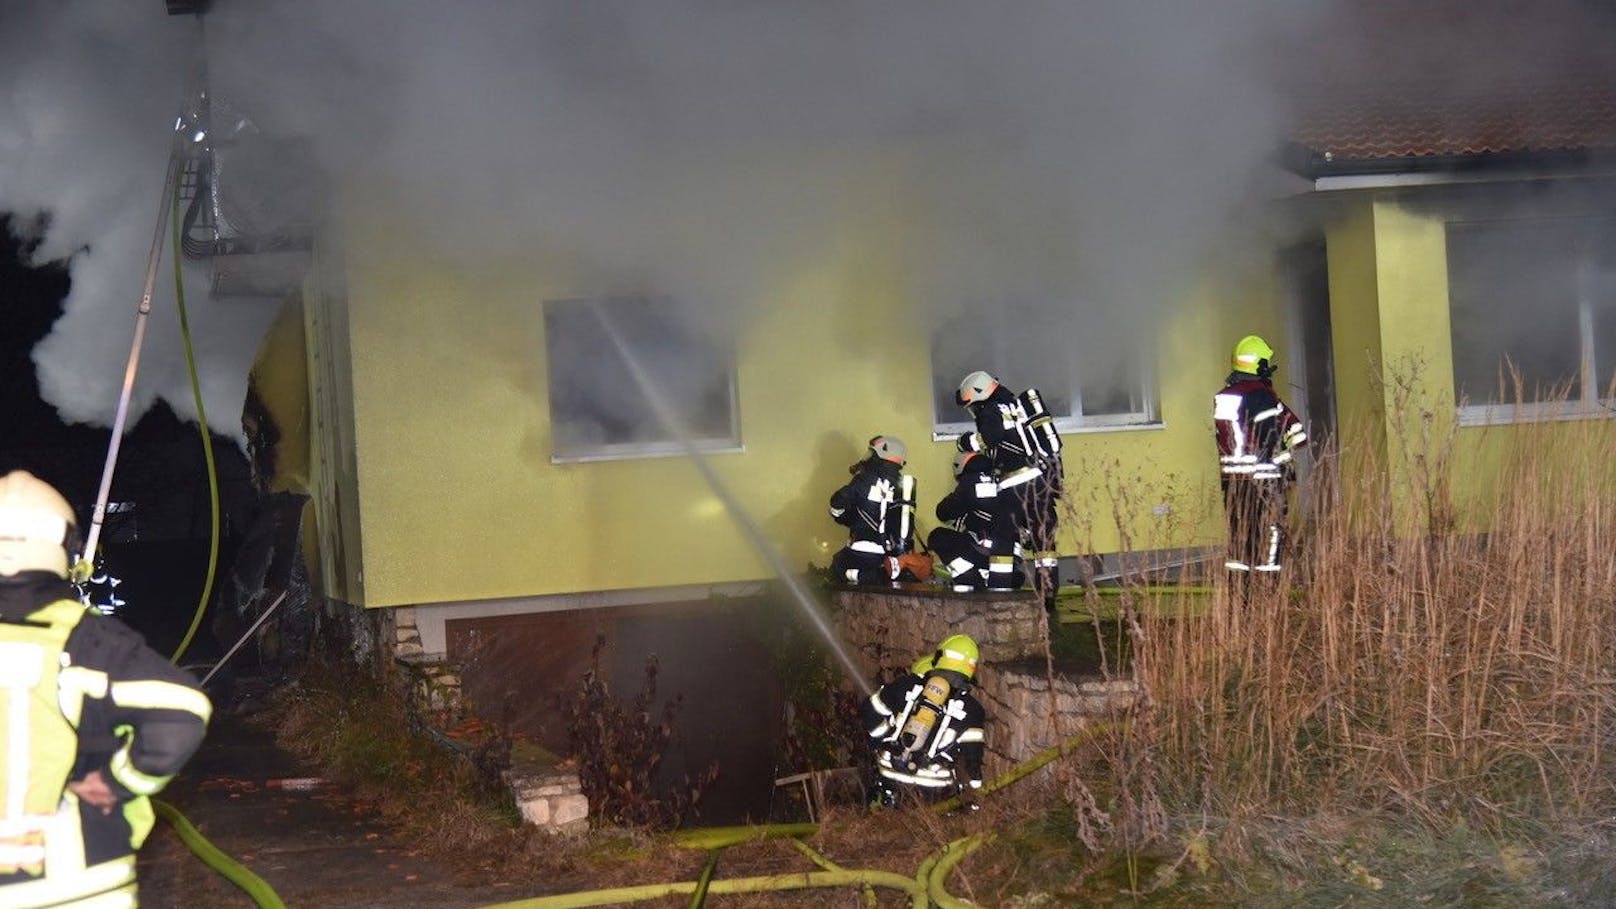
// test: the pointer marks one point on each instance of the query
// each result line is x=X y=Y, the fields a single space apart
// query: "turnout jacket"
x=1005 y=434
x=1257 y=434
x=955 y=741
x=878 y=508
x=976 y=507
x=100 y=700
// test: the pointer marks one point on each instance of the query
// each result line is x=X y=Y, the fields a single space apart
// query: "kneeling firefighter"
x=1017 y=434
x=95 y=720
x=925 y=729
x=878 y=508
x=978 y=547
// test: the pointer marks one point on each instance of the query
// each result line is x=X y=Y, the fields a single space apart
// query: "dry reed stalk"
x=1444 y=645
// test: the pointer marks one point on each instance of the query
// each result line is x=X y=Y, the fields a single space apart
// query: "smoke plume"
x=1084 y=160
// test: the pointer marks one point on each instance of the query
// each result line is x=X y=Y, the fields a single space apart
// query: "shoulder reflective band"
x=151 y=694
x=21 y=670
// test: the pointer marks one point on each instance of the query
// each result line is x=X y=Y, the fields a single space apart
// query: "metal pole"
x=232 y=651
x=170 y=187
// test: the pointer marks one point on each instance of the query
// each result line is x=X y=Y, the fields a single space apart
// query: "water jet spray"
x=671 y=421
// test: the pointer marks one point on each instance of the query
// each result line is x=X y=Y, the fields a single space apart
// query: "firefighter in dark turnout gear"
x=1018 y=436
x=878 y=508
x=96 y=721
x=925 y=728
x=978 y=545
x=1257 y=440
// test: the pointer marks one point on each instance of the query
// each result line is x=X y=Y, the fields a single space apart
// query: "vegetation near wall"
x=1446 y=675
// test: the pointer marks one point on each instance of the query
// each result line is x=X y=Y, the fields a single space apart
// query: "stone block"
x=567 y=809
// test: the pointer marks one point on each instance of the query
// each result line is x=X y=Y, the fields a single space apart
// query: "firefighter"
x=96 y=721
x=925 y=728
x=878 y=508
x=1017 y=434
x=978 y=545
x=1257 y=440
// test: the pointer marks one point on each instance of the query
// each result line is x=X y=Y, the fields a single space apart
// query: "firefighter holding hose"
x=95 y=721
x=925 y=728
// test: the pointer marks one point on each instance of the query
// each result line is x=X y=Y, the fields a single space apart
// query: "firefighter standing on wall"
x=925 y=729
x=878 y=508
x=1018 y=436
x=978 y=547
x=95 y=720
x=1257 y=438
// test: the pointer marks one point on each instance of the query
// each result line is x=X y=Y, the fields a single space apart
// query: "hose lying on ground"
x=233 y=871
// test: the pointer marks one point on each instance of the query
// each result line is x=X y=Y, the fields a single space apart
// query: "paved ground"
x=317 y=847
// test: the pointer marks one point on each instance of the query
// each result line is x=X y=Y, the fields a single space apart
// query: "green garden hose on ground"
x=233 y=871
x=937 y=879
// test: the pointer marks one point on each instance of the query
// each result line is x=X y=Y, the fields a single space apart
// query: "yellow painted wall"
x=457 y=498
x=1356 y=341
x=1394 y=374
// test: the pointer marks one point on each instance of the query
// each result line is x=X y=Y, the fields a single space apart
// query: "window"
x=1084 y=390
x=1532 y=298
x=598 y=408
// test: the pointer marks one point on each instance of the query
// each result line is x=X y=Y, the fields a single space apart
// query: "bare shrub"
x=619 y=750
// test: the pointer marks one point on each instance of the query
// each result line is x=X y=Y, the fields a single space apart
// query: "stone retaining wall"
x=548 y=793
x=890 y=628
x=1025 y=717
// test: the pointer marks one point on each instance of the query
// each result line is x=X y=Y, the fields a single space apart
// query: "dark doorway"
x=1309 y=378
x=519 y=669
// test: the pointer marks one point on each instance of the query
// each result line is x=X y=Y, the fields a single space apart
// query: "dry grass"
x=1403 y=664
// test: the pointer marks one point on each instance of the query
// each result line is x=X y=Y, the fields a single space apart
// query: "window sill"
x=648 y=451
x=1511 y=414
x=950 y=431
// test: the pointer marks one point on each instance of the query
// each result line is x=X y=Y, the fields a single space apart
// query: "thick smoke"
x=1086 y=161
x=93 y=91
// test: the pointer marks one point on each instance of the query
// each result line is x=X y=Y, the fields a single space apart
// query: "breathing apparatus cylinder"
x=917 y=730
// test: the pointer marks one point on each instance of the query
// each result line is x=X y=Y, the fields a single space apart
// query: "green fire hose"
x=233 y=871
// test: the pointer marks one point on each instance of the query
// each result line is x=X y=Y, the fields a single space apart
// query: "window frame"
x=1589 y=402
x=651 y=449
x=1068 y=424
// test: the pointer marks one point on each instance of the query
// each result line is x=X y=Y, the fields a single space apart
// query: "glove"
x=969 y=441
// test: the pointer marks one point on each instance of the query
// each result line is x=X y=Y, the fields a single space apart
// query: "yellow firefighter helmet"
x=956 y=652
x=35 y=522
x=1253 y=355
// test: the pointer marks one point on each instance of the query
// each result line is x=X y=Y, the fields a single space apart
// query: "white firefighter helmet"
x=890 y=448
x=963 y=458
x=34 y=525
x=975 y=387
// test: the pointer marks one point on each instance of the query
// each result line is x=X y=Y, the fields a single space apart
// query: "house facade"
x=478 y=445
